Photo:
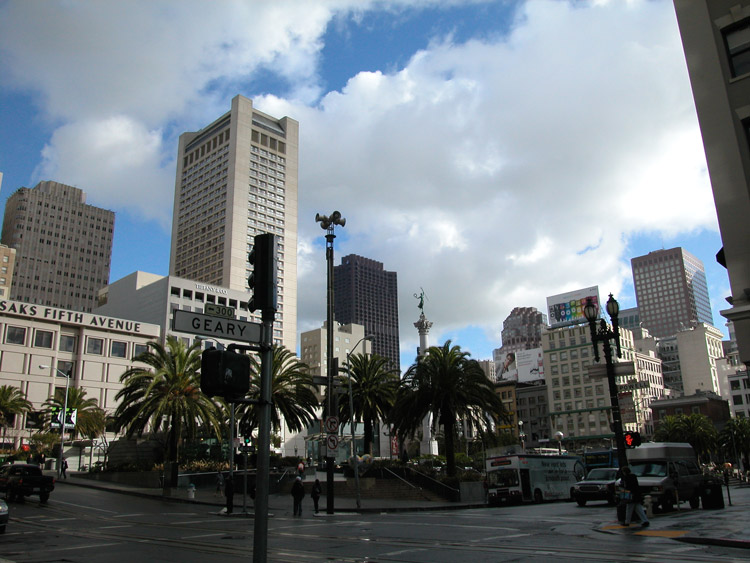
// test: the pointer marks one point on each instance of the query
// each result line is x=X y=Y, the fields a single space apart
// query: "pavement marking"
x=128 y=515
x=84 y=506
x=204 y=535
x=662 y=533
x=118 y=526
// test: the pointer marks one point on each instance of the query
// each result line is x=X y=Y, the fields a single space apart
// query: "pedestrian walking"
x=229 y=492
x=298 y=493
x=219 y=484
x=64 y=468
x=317 y=490
x=633 y=497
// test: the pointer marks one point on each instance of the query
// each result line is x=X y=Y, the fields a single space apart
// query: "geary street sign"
x=205 y=325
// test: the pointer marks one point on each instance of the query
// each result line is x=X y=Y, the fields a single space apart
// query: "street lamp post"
x=67 y=377
x=521 y=436
x=351 y=419
x=603 y=334
x=327 y=223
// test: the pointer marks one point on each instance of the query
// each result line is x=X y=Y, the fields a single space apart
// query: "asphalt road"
x=87 y=525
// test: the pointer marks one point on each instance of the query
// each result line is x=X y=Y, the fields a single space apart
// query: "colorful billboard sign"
x=567 y=308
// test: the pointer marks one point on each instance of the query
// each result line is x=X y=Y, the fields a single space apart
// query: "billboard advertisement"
x=567 y=308
x=523 y=366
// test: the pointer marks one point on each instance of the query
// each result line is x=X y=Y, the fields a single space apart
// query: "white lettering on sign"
x=230 y=329
x=211 y=288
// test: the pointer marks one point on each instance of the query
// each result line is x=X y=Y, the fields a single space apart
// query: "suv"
x=599 y=484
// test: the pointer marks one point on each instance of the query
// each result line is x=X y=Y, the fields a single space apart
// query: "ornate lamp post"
x=603 y=334
x=521 y=436
x=327 y=223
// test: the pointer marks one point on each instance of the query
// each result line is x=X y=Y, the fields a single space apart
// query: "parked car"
x=599 y=484
x=21 y=480
x=4 y=514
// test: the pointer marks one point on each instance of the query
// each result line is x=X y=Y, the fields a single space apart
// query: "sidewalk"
x=278 y=503
x=728 y=527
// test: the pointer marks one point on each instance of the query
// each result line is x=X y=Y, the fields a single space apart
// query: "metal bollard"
x=648 y=505
x=191 y=491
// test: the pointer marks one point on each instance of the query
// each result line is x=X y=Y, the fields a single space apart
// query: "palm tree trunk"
x=449 y=427
x=368 y=437
x=174 y=436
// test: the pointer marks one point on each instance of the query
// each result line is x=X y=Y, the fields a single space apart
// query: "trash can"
x=712 y=497
x=191 y=491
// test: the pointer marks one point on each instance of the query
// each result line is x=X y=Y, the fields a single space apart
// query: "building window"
x=139 y=349
x=67 y=343
x=118 y=350
x=64 y=367
x=42 y=339
x=737 y=40
x=15 y=335
x=94 y=346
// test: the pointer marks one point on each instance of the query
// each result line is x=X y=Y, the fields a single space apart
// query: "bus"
x=600 y=458
x=532 y=478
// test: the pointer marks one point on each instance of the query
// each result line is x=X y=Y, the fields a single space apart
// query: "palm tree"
x=374 y=386
x=12 y=402
x=448 y=384
x=695 y=429
x=734 y=440
x=89 y=416
x=167 y=396
x=292 y=396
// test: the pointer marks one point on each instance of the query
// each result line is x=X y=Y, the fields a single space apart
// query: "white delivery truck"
x=532 y=478
x=668 y=471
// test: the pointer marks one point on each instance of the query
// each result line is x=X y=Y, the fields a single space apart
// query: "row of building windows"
x=67 y=343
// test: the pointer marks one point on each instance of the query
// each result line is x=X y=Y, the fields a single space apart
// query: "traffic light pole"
x=260 y=543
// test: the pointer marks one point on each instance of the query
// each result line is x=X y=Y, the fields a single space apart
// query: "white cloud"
x=490 y=172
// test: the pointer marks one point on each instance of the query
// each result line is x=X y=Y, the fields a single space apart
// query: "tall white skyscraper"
x=237 y=177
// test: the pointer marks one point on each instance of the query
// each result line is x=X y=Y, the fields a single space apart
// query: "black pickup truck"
x=21 y=480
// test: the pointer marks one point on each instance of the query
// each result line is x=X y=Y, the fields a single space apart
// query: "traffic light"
x=632 y=439
x=225 y=373
x=262 y=280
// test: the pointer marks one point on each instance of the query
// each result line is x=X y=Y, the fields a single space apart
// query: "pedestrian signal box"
x=225 y=373
x=632 y=439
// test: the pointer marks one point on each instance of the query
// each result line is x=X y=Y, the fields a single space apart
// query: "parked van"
x=668 y=471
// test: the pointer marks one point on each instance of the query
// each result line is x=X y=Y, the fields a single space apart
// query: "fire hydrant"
x=648 y=505
x=191 y=491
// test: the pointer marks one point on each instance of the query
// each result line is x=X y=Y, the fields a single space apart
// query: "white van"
x=668 y=471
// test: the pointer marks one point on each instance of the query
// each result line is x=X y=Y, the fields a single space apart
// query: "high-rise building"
x=366 y=294
x=671 y=290
x=715 y=37
x=522 y=330
x=63 y=246
x=7 y=266
x=237 y=177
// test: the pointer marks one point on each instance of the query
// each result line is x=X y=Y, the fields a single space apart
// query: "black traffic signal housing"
x=632 y=439
x=263 y=279
x=225 y=373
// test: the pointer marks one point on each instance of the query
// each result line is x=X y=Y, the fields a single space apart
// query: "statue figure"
x=420 y=296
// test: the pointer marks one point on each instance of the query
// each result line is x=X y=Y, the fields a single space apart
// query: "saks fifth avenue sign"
x=39 y=312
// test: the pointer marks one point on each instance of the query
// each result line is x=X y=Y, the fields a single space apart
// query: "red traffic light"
x=632 y=439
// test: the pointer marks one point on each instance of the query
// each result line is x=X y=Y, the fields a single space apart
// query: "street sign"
x=620 y=368
x=220 y=311
x=332 y=424
x=205 y=325
x=332 y=443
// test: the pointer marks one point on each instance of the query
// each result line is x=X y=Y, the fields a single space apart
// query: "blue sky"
x=490 y=152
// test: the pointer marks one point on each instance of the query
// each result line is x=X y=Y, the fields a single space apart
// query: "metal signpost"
x=218 y=327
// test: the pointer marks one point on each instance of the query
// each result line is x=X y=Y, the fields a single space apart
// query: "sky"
x=492 y=153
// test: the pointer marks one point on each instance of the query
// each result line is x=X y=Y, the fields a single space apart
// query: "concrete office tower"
x=63 y=246
x=367 y=295
x=236 y=178
x=715 y=37
x=7 y=266
x=522 y=330
x=671 y=290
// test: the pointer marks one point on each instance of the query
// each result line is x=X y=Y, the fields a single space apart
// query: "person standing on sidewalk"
x=229 y=492
x=219 y=484
x=633 y=489
x=317 y=490
x=64 y=468
x=298 y=493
